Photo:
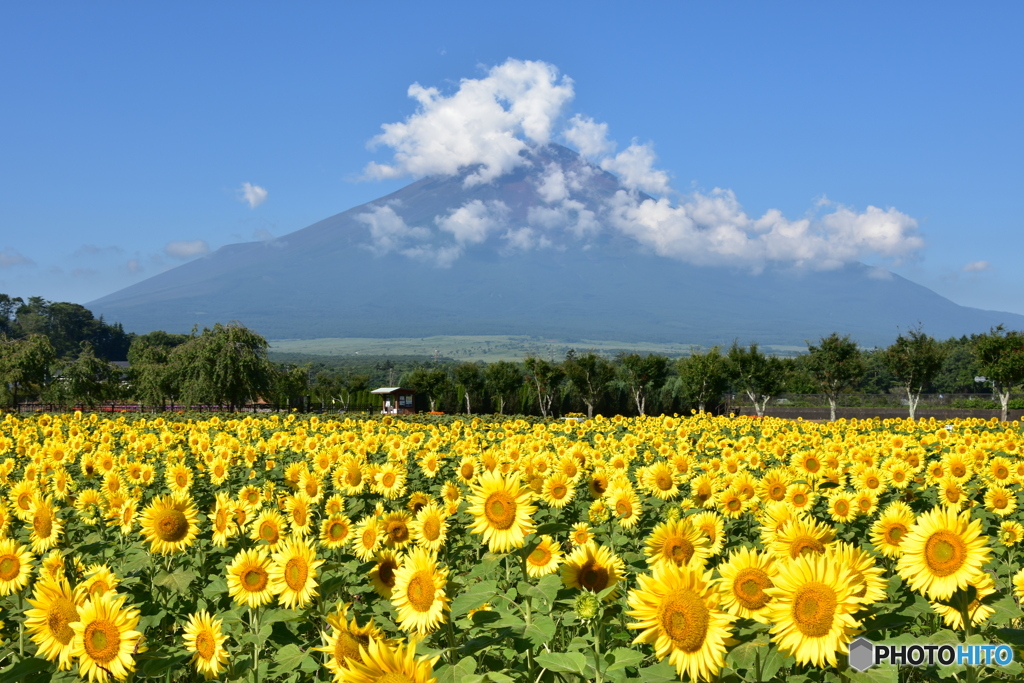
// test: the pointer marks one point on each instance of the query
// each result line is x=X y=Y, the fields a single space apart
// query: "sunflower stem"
x=21 y=625
x=254 y=619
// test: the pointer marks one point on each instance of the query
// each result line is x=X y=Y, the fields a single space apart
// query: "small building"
x=397 y=401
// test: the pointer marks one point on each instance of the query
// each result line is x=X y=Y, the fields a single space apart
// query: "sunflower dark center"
x=500 y=510
x=814 y=609
x=421 y=591
x=749 y=588
x=685 y=619
x=102 y=640
x=944 y=553
x=171 y=526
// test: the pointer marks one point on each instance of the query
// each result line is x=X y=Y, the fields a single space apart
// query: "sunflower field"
x=281 y=548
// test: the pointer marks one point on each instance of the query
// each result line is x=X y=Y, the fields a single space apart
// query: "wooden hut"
x=397 y=401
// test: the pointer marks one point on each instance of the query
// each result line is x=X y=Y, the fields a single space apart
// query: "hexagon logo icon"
x=862 y=654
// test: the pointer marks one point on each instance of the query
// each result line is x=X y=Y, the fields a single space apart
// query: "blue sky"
x=129 y=130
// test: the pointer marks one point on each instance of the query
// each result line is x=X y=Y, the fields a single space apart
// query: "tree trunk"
x=1004 y=401
x=832 y=409
x=912 y=399
x=468 y=410
x=640 y=399
x=501 y=405
x=590 y=411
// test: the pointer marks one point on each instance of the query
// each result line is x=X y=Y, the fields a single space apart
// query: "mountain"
x=528 y=254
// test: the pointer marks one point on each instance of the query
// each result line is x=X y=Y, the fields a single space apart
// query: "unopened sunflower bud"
x=673 y=513
x=587 y=605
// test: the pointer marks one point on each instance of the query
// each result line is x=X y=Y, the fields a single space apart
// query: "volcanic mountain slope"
x=528 y=254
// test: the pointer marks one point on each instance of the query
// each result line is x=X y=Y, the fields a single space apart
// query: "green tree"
x=25 y=364
x=291 y=383
x=470 y=379
x=86 y=380
x=547 y=377
x=502 y=379
x=704 y=377
x=1001 y=360
x=224 y=366
x=590 y=375
x=836 y=365
x=959 y=369
x=152 y=379
x=430 y=383
x=914 y=359
x=759 y=376
x=643 y=375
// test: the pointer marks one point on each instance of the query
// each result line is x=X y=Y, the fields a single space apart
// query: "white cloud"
x=472 y=222
x=977 y=267
x=442 y=257
x=570 y=215
x=187 y=250
x=485 y=124
x=588 y=137
x=552 y=187
x=525 y=239
x=12 y=257
x=713 y=229
x=388 y=230
x=254 y=195
x=635 y=168
x=134 y=266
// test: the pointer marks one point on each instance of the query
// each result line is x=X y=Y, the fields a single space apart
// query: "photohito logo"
x=864 y=654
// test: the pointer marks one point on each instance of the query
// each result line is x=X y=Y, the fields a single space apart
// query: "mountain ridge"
x=438 y=257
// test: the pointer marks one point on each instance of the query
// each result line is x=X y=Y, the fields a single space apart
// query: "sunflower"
x=889 y=530
x=1018 y=584
x=811 y=609
x=594 y=568
x=299 y=518
x=15 y=566
x=942 y=552
x=419 y=594
x=345 y=640
x=998 y=500
x=800 y=537
x=293 y=573
x=368 y=537
x=223 y=525
x=249 y=578
x=251 y=496
x=179 y=478
x=731 y=503
x=702 y=490
x=869 y=577
x=773 y=485
x=800 y=497
x=558 y=490
x=389 y=481
x=660 y=481
x=22 y=495
x=55 y=607
x=268 y=528
x=711 y=525
x=335 y=531
x=170 y=524
x=841 y=507
x=382 y=576
x=677 y=608
x=745 y=578
x=1011 y=533
x=396 y=530
x=678 y=542
x=105 y=638
x=580 y=534
x=502 y=511
x=381 y=662
x=625 y=504
x=203 y=638
x=951 y=493
x=99 y=579
x=978 y=610
x=544 y=558
x=430 y=528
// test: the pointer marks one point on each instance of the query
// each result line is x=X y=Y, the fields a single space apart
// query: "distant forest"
x=59 y=354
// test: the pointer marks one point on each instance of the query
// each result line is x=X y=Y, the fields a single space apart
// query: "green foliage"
x=914 y=360
x=24 y=364
x=546 y=378
x=836 y=364
x=224 y=366
x=756 y=374
x=503 y=378
x=1001 y=360
x=644 y=375
x=590 y=375
x=704 y=377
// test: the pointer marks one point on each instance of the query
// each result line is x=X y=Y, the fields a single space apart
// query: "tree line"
x=58 y=353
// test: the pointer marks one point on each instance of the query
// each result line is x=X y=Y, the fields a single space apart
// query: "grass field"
x=487 y=349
